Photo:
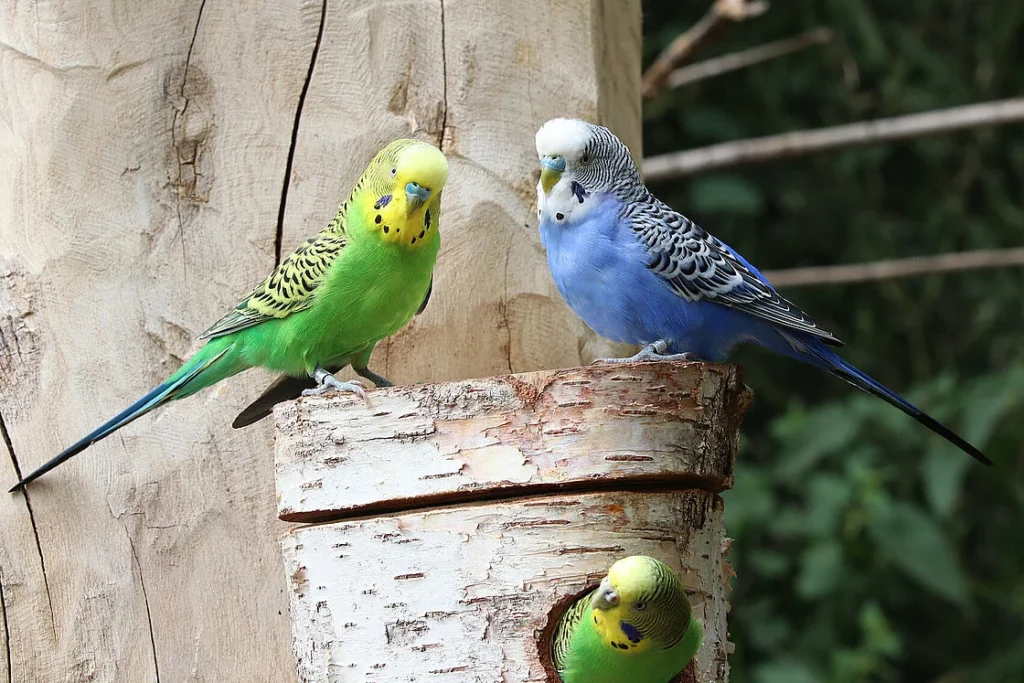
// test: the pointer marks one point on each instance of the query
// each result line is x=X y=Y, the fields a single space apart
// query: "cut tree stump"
x=458 y=520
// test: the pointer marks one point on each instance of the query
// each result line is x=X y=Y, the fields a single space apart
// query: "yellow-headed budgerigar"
x=636 y=627
x=324 y=307
x=638 y=272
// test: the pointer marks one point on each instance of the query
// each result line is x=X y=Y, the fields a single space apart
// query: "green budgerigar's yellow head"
x=640 y=605
x=400 y=193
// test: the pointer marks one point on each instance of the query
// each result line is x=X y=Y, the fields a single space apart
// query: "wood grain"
x=150 y=179
x=651 y=424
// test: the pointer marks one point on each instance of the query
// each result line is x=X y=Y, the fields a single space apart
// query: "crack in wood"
x=503 y=309
x=7 y=629
x=659 y=483
x=31 y=518
x=279 y=236
x=178 y=113
x=444 y=84
x=145 y=598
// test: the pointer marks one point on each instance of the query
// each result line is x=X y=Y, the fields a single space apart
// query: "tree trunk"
x=159 y=159
x=466 y=516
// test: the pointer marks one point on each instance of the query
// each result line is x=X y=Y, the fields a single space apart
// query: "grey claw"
x=328 y=382
x=651 y=352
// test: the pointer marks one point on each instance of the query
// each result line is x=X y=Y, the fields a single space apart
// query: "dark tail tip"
x=17 y=487
x=847 y=372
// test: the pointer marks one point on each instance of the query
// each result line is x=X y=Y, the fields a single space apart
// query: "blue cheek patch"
x=382 y=202
x=631 y=632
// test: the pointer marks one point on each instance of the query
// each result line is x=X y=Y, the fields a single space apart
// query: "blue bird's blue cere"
x=632 y=632
x=555 y=163
x=638 y=272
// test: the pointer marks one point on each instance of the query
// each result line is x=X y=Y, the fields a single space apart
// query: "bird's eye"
x=640 y=606
x=585 y=159
x=394 y=172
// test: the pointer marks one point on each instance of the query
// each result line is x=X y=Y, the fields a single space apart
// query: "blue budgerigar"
x=638 y=272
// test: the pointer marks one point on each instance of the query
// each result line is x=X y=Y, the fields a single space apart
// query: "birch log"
x=468 y=514
x=159 y=157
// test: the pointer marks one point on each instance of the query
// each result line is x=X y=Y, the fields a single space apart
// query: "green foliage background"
x=866 y=548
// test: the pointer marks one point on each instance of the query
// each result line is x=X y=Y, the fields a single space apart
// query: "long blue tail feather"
x=819 y=355
x=162 y=394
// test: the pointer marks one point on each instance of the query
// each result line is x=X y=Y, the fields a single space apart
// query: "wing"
x=285 y=388
x=566 y=627
x=426 y=299
x=700 y=267
x=289 y=289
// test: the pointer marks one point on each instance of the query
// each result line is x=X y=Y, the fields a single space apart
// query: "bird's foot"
x=369 y=374
x=325 y=382
x=651 y=353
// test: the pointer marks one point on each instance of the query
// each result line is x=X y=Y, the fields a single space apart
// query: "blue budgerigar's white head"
x=591 y=155
x=581 y=164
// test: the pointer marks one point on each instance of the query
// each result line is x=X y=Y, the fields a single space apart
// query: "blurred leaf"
x=986 y=405
x=878 y=634
x=721 y=193
x=711 y=125
x=770 y=564
x=916 y=544
x=785 y=671
x=821 y=568
x=944 y=468
x=769 y=626
x=749 y=499
x=811 y=437
x=828 y=495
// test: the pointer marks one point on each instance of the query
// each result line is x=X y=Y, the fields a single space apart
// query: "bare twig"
x=755 y=55
x=680 y=164
x=896 y=268
x=682 y=47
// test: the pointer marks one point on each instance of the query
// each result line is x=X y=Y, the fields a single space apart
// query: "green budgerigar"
x=324 y=307
x=636 y=627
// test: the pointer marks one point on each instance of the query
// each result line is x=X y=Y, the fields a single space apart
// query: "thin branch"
x=680 y=49
x=680 y=164
x=896 y=268
x=755 y=55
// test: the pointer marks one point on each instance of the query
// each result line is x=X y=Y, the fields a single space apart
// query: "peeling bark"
x=463 y=515
x=466 y=593
x=649 y=425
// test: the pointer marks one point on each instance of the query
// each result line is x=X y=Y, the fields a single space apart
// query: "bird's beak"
x=605 y=597
x=416 y=195
x=551 y=169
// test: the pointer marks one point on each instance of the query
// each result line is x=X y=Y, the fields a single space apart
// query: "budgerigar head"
x=640 y=605
x=572 y=150
x=401 y=191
